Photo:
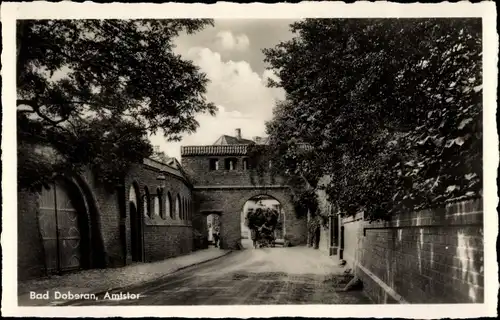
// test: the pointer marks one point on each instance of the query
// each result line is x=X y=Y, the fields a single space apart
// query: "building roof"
x=228 y=140
x=172 y=167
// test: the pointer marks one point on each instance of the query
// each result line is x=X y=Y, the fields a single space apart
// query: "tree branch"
x=36 y=109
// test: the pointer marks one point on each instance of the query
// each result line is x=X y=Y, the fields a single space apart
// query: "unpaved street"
x=263 y=276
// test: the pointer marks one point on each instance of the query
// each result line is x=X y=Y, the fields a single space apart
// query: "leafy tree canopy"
x=91 y=91
x=391 y=109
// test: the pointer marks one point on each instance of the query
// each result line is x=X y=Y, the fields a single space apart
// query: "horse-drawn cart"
x=262 y=224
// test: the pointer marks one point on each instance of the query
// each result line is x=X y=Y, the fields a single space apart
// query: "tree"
x=91 y=91
x=391 y=109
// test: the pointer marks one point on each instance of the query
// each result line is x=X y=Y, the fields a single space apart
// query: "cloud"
x=225 y=40
x=234 y=85
x=241 y=94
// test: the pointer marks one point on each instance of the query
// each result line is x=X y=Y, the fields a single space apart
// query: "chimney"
x=238 y=134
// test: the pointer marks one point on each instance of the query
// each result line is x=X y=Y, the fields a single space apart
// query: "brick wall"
x=109 y=223
x=430 y=256
x=164 y=236
x=162 y=242
x=198 y=169
x=30 y=251
x=109 y=215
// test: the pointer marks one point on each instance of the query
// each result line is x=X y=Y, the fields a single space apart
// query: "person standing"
x=253 y=236
x=216 y=235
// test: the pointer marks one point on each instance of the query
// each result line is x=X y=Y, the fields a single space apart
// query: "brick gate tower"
x=221 y=174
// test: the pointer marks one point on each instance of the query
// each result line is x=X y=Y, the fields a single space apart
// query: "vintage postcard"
x=318 y=159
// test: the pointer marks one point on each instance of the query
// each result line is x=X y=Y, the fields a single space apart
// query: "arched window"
x=178 y=207
x=131 y=195
x=168 y=206
x=159 y=204
x=156 y=207
x=190 y=210
x=147 y=203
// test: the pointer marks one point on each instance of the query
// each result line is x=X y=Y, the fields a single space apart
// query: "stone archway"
x=98 y=254
x=229 y=201
x=205 y=226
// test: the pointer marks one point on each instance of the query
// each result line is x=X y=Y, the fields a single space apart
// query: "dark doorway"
x=136 y=233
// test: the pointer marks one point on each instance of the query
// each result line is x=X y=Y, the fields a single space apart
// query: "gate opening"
x=261 y=203
x=213 y=228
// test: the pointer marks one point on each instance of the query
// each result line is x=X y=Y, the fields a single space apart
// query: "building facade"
x=222 y=183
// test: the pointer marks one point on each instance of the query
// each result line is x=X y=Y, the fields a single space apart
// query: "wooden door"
x=60 y=229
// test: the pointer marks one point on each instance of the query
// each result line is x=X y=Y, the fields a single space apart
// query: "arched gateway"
x=223 y=181
x=68 y=226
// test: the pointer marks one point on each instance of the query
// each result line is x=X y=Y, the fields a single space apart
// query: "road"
x=249 y=277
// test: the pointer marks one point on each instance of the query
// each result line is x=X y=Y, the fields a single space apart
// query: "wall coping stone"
x=383 y=285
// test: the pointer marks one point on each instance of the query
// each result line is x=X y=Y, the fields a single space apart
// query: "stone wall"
x=430 y=256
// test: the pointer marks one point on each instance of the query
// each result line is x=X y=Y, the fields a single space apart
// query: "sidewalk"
x=99 y=280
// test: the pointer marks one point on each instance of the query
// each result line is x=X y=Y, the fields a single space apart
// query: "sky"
x=230 y=54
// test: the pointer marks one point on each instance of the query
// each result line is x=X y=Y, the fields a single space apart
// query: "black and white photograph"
x=220 y=161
